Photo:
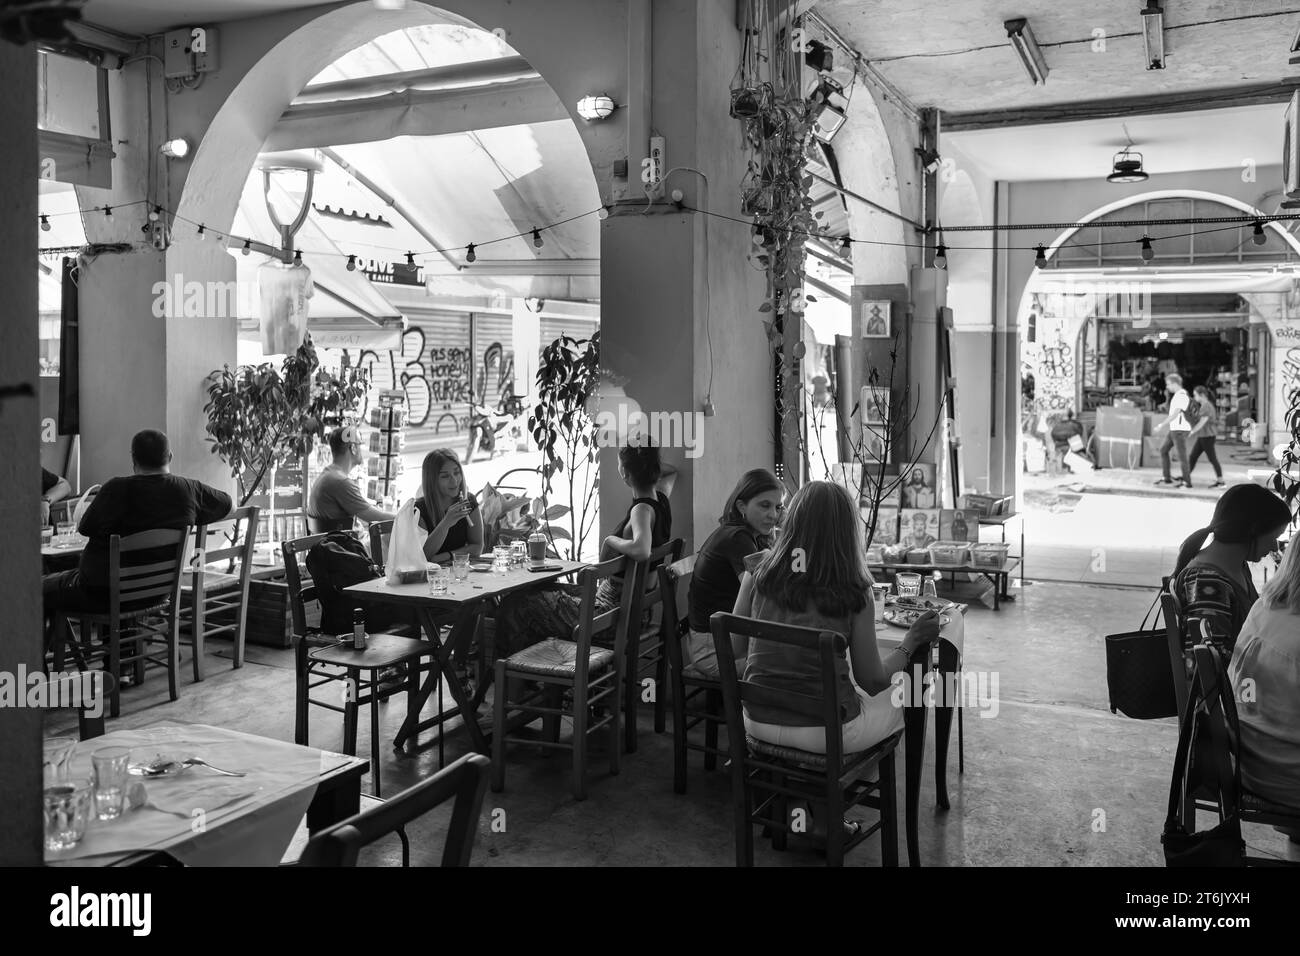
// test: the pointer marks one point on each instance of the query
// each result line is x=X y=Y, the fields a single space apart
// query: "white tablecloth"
x=200 y=817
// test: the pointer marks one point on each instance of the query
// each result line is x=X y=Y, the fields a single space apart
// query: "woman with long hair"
x=1265 y=676
x=1203 y=434
x=1213 y=584
x=449 y=514
x=815 y=576
x=746 y=527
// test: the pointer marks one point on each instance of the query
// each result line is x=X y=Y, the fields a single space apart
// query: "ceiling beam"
x=1123 y=107
x=415 y=113
x=477 y=73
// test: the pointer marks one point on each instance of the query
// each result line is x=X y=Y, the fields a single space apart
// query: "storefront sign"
x=377 y=340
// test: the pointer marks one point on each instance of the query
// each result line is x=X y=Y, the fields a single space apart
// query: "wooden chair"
x=463 y=781
x=1218 y=759
x=834 y=781
x=144 y=577
x=210 y=591
x=61 y=688
x=696 y=699
x=380 y=533
x=592 y=675
x=321 y=659
x=645 y=645
x=1179 y=663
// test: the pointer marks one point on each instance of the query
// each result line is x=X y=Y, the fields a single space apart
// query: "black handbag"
x=1138 y=676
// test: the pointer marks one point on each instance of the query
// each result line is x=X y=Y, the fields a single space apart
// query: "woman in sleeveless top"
x=449 y=515
x=1213 y=585
x=529 y=617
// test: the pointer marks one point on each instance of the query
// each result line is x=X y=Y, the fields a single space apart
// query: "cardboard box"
x=1119 y=437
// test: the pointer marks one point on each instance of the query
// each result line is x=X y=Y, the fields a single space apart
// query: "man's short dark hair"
x=337 y=444
x=641 y=463
x=151 y=449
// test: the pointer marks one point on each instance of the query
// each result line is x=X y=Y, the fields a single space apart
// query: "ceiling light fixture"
x=941 y=256
x=537 y=238
x=45 y=223
x=846 y=247
x=352 y=263
x=1126 y=167
x=1258 y=236
x=1153 y=34
x=830 y=109
x=175 y=148
x=1022 y=38
x=469 y=253
x=1040 y=257
x=1147 y=252
x=595 y=107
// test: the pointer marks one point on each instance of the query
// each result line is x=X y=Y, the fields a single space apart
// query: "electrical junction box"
x=189 y=51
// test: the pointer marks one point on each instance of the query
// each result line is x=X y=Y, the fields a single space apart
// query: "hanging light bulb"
x=1258 y=238
x=201 y=232
x=603 y=213
x=108 y=212
x=352 y=263
x=1040 y=257
x=45 y=223
x=941 y=256
x=537 y=238
x=1147 y=252
x=297 y=257
x=248 y=247
x=155 y=214
x=846 y=247
x=410 y=260
x=469 y=253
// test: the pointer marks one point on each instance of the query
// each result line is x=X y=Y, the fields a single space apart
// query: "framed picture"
x=873 y=404
x=918 y=485
x=886 y=525
x=875 y=318
x=959 y=525
x=919 y=527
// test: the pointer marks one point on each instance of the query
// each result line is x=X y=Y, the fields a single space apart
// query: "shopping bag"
x=405 y=561
x=83 y=505
x=1077 y=463
x=1076 y=443
x=1138 y=675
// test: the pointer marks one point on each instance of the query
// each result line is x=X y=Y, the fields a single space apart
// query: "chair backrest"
x=301 y=590
x=1178 y=662
x=1217 y=711
x=829 y=646
x=465 y=781
x=674 y=585
x=317 y=525
x=145 y=568
x=618 y=619
x=70 y=690
x=652 y=594
x=232 y=540
x=380 y=533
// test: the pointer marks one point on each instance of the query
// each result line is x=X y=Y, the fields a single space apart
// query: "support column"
x=20 y=729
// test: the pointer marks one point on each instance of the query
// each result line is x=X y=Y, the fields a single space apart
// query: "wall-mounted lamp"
x=1022 y=38
x=595 y=107
x=1153 y=34
x=175 y=148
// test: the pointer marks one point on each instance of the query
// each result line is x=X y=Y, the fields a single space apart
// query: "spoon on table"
x=199 y=762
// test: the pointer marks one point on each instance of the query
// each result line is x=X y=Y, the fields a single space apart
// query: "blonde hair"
x=1283 y=589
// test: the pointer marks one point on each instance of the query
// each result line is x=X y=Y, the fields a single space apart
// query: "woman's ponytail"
x=1190 y=547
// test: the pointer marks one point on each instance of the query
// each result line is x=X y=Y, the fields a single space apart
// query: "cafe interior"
x=593 y=433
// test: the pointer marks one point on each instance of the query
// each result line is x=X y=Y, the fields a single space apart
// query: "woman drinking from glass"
x=449 y=515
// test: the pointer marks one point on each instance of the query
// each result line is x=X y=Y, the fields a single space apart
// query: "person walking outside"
x=1177 y=426
x=1203 y=434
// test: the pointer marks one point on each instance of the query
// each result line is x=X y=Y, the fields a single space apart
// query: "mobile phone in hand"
x=469 y=499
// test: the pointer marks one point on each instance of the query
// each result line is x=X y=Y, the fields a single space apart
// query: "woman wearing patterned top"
x=1213 y=585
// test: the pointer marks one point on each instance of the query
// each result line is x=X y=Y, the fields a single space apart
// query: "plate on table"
x=907 y=616
x=159 y=765
x=921 y=603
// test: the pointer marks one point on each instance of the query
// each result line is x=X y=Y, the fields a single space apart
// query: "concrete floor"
x=1052 y=779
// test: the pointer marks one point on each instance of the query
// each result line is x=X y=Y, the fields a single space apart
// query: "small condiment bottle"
x=358 y=629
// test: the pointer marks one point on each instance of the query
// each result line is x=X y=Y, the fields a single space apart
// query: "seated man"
x=53 y=488
x=336 y=501
x=150 y=498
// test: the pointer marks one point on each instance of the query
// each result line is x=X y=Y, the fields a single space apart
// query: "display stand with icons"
x=384 y=466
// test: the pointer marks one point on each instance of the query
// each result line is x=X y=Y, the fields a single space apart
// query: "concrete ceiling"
x=1170 y=143
x=144 y=17
x=956 y=56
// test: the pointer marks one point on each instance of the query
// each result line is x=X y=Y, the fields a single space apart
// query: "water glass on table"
x=57 y=752
x=500 y=559
x=518 y=553
x=909 y=584
x=67 y=812
x=460 y=567
x=110 y=766
x=878 y=594
x=438 y=577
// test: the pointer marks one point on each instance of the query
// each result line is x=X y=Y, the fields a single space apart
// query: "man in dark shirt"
x=149 y=499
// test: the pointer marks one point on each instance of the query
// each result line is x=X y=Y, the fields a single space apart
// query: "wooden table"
x=251 y=826
x=996 y=576
x=73 y=549
x=466 y=602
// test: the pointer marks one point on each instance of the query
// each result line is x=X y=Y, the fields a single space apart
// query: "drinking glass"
x=928 y=588
x=909 y=584
x=460 y=567
x=878 y=594
x=110 y=780
x=500 y=560
x=58 y=750
x=437 y=576
x=518 y=553
x=67 y=811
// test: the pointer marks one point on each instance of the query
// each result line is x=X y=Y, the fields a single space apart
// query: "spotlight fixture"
x=1153 y=34
x=175 y=148
x=595 y=107
x=248 y=248
x=941 y=256
x=352 y=263
x=469 y=253
x=1040 y=257
x=829 y=107
x=1147 y=252
x=537 y=238
x=819 y=56
x=1258 y=237
x=1126 y=167
x=1022 y=38
x=45 y=223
